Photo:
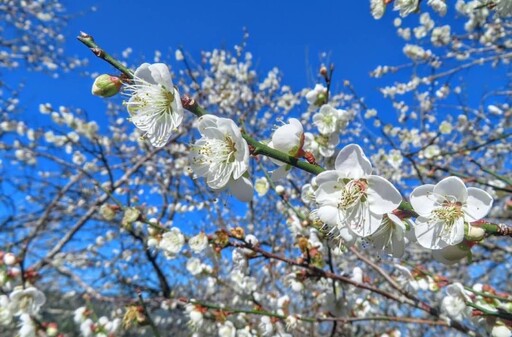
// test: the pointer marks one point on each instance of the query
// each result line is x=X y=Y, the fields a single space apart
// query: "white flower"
x=26 y=301
x=261 y=186
x=154 y=106
x=357 y=275
x=172 y=242
x=321 y=145
x=27 y=326
x=444 y=208
x=454 y=305
x=351 y=199
x=288 y=138
x=80 y=315
x=5 y=311
x=222 y=156
x=291 y=322
x=9 y=259
x=390 y=237
x=504 y=7
x=198 y=243
x=406 y=7
x=227 y=329
x=194 y=266
x=317 y=95
x=500 y=330
x=438 y=5
x=195 y=316
x=377 y=8
x=328 y=120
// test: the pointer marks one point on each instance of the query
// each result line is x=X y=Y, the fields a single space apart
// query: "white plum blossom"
x=321 y=145
x=288 y=138
x=27 y=326
x=439 y=6
x=261 y=186
x=443 y=210
x=377 y=8
x=454 y=304
x=317 y=95
x=406 y=7
x=227 y=329
x=195 y=316
x=154 y=105
x=172 y=242
x=351 y=199
x=5 y=311
x=26 y=301
x=194 y=266
x=221 y=156
x=198 y=243
x=328 y=120
x=501 y=330
x=503 y=7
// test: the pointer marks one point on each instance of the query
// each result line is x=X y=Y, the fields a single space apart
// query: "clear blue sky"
x=286 y=34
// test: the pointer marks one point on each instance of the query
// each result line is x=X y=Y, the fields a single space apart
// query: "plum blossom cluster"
x=271 y=267
x=21 y=304
x=329 y=121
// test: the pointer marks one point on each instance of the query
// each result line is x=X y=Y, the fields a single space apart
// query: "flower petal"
x=328 y=193
x=143 y=73
x=478 y=204
x=242 y=189
x=457 y=233
x=371 y=223
x=352 y=162
x=329 y=215
x=429 y=233
x=422 y=200
x=452 y=186
x=383 y=197
x=280 y=173
x=328 y=176
x=161 y=75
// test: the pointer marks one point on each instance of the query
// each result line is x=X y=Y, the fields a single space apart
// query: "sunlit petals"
x=352 y=199
x=444 y=209
x=154 y=105
x=221 y=156
x=352 y=162
x=478 y=204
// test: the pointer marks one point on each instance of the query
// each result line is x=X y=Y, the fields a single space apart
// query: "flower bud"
x=323 y=71
x=130 y=216
x=108 y=212
x=52 y=330
x=280 y=189
x=475 y=233
x=9 y=259
x=106 y=85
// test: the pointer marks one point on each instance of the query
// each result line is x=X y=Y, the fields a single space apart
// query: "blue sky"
x=287 y=34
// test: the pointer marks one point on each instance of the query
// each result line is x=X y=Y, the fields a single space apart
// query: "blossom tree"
x=361 y=223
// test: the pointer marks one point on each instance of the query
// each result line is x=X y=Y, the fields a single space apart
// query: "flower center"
x=351 y=204
x=214 y=151
x=448 y=213
x=153 y=100
x=352 y=193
